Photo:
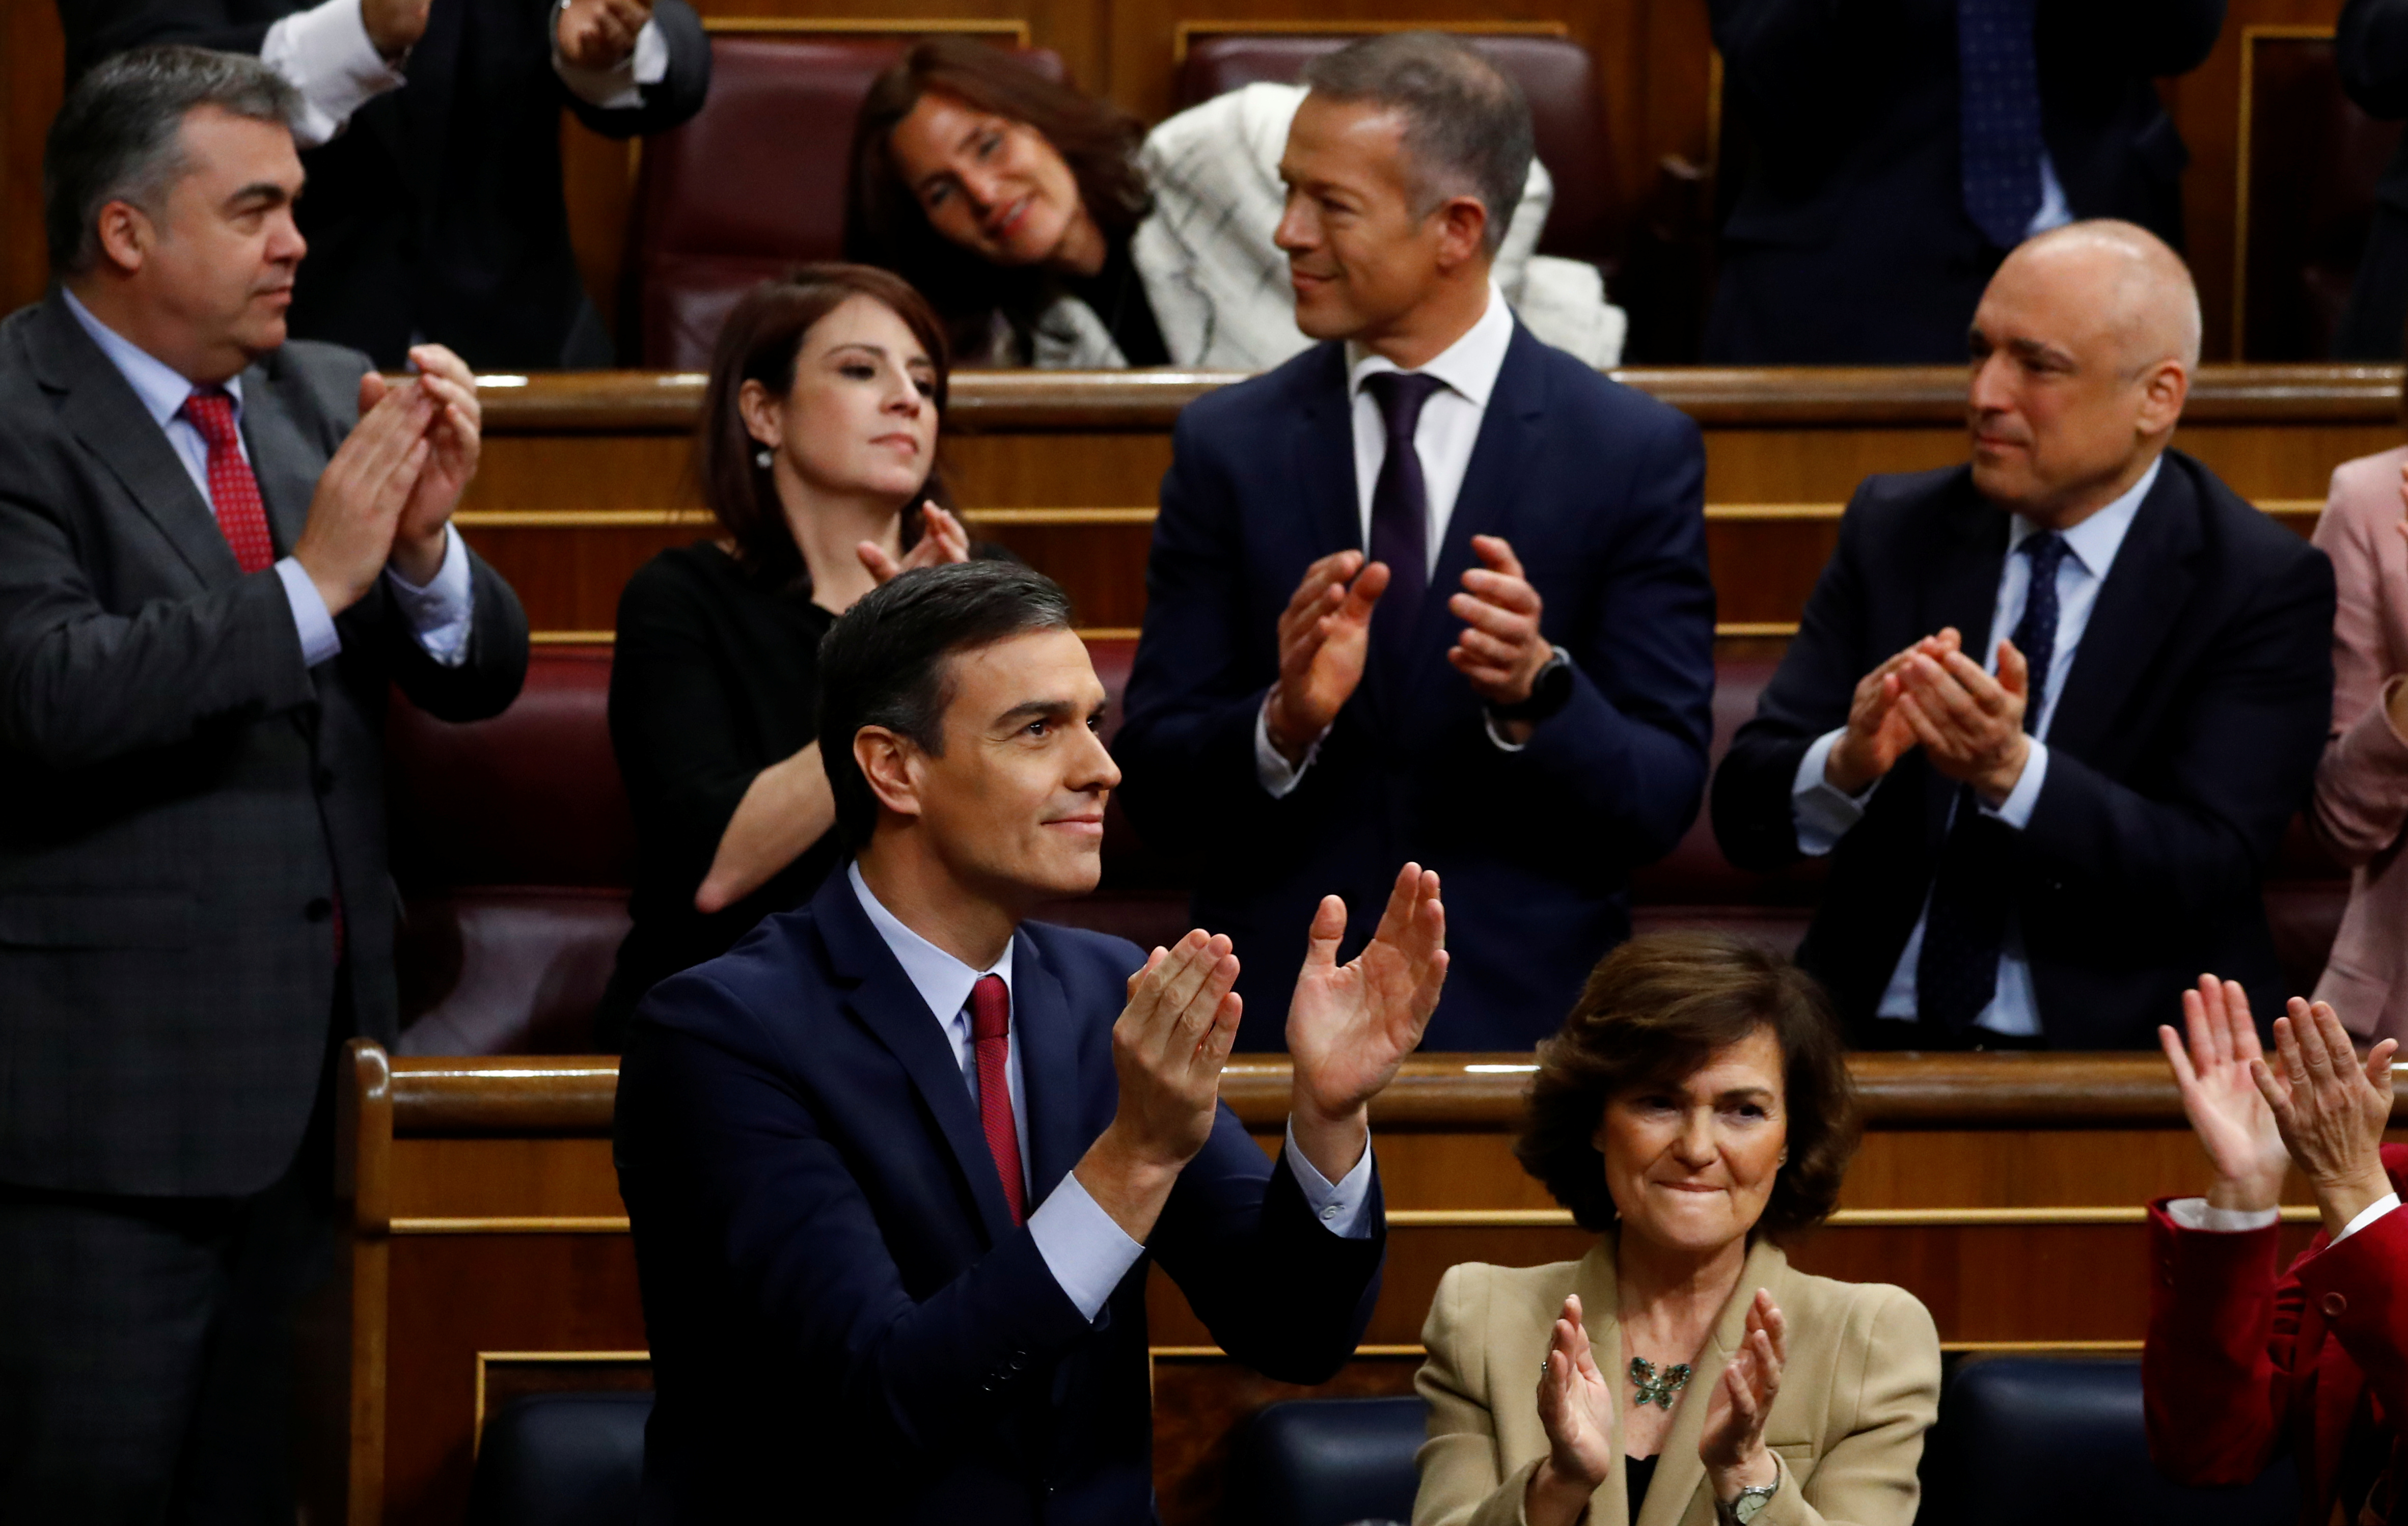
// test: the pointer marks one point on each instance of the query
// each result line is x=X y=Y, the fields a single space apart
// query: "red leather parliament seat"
x=755 y=183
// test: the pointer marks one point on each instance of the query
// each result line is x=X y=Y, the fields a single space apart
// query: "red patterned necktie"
x=234 y=492
x=991 y=1043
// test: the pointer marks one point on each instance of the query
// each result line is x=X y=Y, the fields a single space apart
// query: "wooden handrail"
x=1471 y=1093
x=600 y=402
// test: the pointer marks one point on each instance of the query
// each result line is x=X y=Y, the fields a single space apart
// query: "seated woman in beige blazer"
x=1695 y=1104
x=2361 y=798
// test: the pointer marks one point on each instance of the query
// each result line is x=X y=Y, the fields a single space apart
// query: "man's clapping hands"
x=388 y=493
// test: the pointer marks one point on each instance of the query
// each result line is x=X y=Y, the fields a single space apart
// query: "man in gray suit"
x=217 y=551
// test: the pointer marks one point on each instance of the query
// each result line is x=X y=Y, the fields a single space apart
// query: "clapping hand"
x=1500 y=648
x=2221 y=1096
x=1576 y=1407
x=1733 y=1446
x=1324 y=638
x=2330 y=1108
x=1168 y=1050
x=600 y=34
x=1968 y=723
x=455 y=436
x=1350 y=1025
x=1878 y=735
x=942 y=540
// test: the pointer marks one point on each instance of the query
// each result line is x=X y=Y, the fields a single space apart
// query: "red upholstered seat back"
x=755 y=183
x=1557 y=73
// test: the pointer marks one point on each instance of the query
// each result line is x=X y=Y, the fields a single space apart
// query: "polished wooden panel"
x=587 y=475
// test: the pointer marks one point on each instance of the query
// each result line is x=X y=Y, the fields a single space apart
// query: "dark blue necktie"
x=1957 y=972
x=1997 y=83
x=1401 y=509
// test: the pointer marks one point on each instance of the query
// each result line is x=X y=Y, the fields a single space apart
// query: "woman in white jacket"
x=1049 y=232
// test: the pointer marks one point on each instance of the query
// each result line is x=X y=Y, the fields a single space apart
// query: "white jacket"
x=1218 y=285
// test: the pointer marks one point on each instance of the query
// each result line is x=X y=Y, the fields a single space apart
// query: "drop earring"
x=761 y=458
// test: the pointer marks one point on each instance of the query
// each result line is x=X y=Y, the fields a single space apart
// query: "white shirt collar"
x=1469 y=366
x=2095 y=541
x=161 y=387
x=942 y=981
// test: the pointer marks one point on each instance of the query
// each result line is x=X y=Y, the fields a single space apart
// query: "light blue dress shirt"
x=440 y=613
x=1823 y=815
x=1085 y=1249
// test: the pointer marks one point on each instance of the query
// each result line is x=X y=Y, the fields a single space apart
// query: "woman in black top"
x=818 y=432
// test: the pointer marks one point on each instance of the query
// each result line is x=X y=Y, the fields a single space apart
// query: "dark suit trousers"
x=148 y=1346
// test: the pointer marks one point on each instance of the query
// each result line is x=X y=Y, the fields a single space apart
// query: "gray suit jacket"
x=181 y=801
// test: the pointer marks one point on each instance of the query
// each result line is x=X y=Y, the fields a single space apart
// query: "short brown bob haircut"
x=1655 y=1010
x=760 y=341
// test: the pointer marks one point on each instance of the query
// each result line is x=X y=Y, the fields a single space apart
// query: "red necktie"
x=234 y=492
x=991 y=1043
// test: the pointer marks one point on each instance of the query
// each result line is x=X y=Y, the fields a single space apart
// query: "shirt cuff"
x=2195 y=1214
x=1340 y=1208
x=2375 y=1210
x=325 y=53
x=440 y=615
x=2016 y=809
x=320 y=640
x=1278 y=775
x=619 y=87
x=1086 y=1252
x=1821 y=811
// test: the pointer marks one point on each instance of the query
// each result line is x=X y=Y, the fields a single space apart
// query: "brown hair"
x=1654 y=1011
x=884 y=222
x=760 y=341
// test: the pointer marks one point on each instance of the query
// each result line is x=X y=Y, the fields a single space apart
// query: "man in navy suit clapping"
x=896 y=1162
x=1430 y=590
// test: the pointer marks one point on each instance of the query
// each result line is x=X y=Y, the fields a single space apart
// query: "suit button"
x=319 y=909
x=2335 y=1305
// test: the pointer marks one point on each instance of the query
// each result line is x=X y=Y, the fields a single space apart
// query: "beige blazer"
x=2361 y=798
x=1861 y=1385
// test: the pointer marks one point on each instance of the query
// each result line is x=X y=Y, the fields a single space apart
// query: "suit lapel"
x=885 y=1003
x=2146 y=586
x=1679 y=1470
x=1972 y=552
x=1510 y=434
x=1324 y=457
x=101 y=407
x=1048 y=1068
x=1600 y=1296
x=280 y=459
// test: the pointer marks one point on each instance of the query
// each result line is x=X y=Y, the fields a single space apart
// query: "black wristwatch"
x=1550 y=691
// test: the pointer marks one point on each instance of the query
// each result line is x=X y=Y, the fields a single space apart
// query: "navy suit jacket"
x=845 y=1325
x=1849 y=242
x=2186 y=736
x=1598 y=488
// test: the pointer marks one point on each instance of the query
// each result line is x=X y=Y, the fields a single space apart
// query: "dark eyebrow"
x=1048 y=710
x=2035 y=349
x=266 y=192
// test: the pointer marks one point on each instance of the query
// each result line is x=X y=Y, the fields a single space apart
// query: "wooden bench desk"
x=489 y=1252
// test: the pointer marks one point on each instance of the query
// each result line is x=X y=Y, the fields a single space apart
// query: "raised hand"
x=1576 y=1407
x=1168 y=1050
x=2330 y=1108
x=942 y=540
x=1324 y=637
x=1500 y=649
x=1732 y=1446
x=360 y=495
x=1878 y=734
x=1350 y=1025
x=600 y=34
x=455 y=439
x=1968 y=723
x=2221 y=1096
x=394 y=26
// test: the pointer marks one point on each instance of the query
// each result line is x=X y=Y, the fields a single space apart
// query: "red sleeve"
x=2215 y=1373
x=2361 y=1288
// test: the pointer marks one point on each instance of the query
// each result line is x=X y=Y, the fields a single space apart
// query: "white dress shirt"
x=325 y=53
x=2195 y=1214
x=440 y=615
x=1823 y=815
x=1443 y=438
x=1086 y=1250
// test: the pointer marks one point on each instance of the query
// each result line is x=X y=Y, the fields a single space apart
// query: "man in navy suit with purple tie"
x=1430 y=590
x=896 y=1162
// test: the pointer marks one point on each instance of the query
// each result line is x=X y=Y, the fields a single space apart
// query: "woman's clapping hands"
x=1732 y=1446
x=942 y=540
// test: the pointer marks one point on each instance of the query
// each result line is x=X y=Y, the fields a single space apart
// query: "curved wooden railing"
x=602 y=402
x=1454 y=1093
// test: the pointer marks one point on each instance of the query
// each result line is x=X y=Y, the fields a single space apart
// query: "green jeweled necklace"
x=1653 y=1390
